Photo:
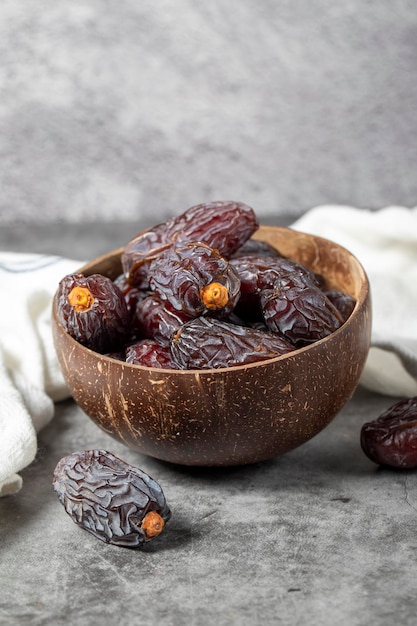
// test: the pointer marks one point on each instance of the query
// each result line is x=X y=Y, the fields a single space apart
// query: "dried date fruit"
x=116 y=502
x=254 y=247
x=150 y=353
x=93 y=311
x=224 y=226
x=258 y=273
x=391 y=439
x=210 y=343
x=343 y=302
x=298 y=311
x=157 y=318
x=140 y=251
x=194 y=278
x=131 y=294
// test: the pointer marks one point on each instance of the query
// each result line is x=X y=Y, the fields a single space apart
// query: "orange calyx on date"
x=214 y=296
x=152 y=524
x=81 y=299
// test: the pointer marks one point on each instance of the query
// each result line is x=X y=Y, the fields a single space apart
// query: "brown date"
x=157 y=318
x=298 y=311
x=194 y=278
x=391 y=439
x=114 y=501
x=131 y=294
x=150 y=353
x=254 y=247
x=224 y=226
x=210 y=343
x=259 y=273
x=343 y=302
x=92 y=309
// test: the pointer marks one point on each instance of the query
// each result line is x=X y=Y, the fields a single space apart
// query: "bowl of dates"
x=212 y=340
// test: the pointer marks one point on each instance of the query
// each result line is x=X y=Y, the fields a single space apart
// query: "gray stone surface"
x=123 y=109
x=320 y=535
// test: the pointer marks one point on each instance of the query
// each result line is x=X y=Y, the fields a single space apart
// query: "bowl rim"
x=363 y=295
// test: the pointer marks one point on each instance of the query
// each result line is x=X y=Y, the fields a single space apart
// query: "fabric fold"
x=30 y=376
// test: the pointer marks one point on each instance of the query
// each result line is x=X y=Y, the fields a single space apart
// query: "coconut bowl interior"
x=236 y=415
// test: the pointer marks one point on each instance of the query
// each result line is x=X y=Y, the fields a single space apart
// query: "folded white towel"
x=30 y=377
x=385 y=242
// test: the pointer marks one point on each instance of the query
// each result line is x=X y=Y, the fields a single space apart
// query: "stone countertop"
x=320 y=535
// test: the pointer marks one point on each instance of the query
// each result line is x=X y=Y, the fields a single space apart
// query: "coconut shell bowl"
x=236 y=415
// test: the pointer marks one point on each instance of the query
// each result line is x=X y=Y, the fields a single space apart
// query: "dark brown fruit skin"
x=210 y=343
x=132 y=294
x=182 y=272
x=108 y=497
x=150 y=353
x=298 y=311
x=254 y=247
x=343 y=302
x=224 y=226
x=258 y=273
x=391 y=439
x=157 y=318
x=105 y=324
x=139 y=253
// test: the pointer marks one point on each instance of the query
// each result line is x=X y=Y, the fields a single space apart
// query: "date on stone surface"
x=391 y=439
x=116 y=502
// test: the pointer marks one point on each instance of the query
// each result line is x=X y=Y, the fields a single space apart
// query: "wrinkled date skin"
x=150 y=353
x=210 y=343
x=131 y=294
x=391 y=439
x=114 y=501
x=255 y=248
x=194 y=278
x=225 y=226
x=343 y=302
x=93 y=310
x=260 y=273
x=300 y=312
x=157 y=318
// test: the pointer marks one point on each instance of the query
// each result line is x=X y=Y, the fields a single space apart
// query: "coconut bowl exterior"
x=236 y=415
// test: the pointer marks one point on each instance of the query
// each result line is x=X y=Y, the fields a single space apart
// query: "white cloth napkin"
x=30 y=377
x=385 y=242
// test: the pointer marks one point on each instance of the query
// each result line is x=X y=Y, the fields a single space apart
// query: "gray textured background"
x=119 y=109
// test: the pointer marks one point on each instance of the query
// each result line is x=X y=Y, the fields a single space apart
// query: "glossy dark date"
x=194 y=278
x=254 y=247
x=259 y=273
x=210 y=343
x=391 y=439
x=157 y=318
x=224 y=226
x=131 y=294
x=93 y=310
x=114 y=501
x=343 y=302
x=150 y=353
x=299 y=311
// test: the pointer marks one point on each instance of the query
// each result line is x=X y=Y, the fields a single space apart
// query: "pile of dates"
x=197 y=292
